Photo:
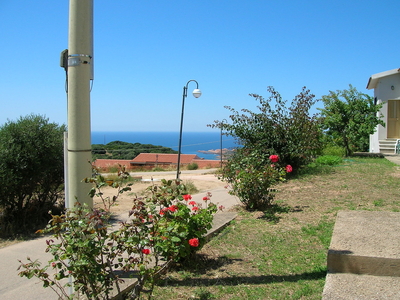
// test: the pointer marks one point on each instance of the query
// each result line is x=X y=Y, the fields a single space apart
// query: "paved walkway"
x=13 y=287
x=394 y=158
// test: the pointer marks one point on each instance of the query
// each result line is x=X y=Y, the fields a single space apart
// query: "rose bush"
x=162 y=225
x=252 y=178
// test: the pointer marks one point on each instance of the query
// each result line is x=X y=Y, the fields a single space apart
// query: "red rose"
x=192 y=203
x=195 y=208
x=194 y=242
x=173 y=208
x=163 y=211
x=274 y=158
x=206 y=198
x=146 y=251
x=187 y=197
x=289 y=168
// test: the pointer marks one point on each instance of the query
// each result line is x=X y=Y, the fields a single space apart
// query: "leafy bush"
x=118 y=181
x=252 y=178
x=289 y=132
x=192 y=166
x=328 y=160
x=191 y=187
x=164 y=225
x=334 y=150
x=349 y=117
x=31 y=172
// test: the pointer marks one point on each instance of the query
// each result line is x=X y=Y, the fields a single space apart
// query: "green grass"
x=283 y=264
x=282 y=255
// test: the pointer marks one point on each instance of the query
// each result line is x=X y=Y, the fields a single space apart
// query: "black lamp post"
x=196 y=94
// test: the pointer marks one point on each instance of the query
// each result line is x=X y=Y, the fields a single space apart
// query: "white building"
x=386 y=87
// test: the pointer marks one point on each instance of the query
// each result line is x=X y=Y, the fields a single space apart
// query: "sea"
x=192 y=142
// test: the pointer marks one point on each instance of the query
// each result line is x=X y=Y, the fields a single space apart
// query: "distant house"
x=149 y=161
x=386 y=87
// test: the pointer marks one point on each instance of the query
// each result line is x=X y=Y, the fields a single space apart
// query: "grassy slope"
x=257 y=259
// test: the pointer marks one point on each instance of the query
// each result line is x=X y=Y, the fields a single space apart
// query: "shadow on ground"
x=203 y=264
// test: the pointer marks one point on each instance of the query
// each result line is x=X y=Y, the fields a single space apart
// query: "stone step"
x=342 y=286
x=364 y=243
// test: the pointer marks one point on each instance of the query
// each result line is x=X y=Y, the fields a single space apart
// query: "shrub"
x=190 y=187
x=252 y=178
x=328 y=160
x=31 y=172
x=288 y=131
x=334 y=150
x=192 y=166
x=349 y=117
x=164 y=225
x=118 y=181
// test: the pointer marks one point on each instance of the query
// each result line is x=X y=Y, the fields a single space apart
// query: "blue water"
x=192 y=142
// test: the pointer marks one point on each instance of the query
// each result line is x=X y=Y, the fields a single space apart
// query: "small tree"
x=289 y=133
x=31 y=171
x=349 y=117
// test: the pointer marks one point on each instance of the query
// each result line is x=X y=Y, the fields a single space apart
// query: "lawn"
x=283 y=255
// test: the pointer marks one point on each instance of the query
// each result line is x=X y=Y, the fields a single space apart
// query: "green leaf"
x=175 y=239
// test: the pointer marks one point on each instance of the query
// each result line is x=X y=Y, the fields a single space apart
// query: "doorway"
x=393 y=122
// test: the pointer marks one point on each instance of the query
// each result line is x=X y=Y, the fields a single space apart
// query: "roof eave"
x=374 y=79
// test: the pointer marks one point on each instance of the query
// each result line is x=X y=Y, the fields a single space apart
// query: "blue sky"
x=146 y=51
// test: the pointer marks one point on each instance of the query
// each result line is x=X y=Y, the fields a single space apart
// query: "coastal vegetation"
x=275 y=141
x=280 y=143
x=31 y=173
x=348 y=118
x=125 y=150
x=293 y=137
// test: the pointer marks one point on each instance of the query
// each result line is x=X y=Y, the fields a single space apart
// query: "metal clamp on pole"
x=78 y=59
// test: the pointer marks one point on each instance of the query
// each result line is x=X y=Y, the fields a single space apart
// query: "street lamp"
x=222 y=122
x=196 y=94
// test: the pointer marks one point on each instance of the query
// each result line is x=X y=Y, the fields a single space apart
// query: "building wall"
x=105 y=165
x=384 y=92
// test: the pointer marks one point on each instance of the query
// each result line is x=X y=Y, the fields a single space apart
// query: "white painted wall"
x=384 y=92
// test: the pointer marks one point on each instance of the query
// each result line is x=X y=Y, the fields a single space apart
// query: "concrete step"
x=364 y=244
x=342 y=286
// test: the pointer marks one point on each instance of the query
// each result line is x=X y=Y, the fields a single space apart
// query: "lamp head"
x=196 y=93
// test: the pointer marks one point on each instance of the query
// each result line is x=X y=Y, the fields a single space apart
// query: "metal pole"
x=221 y=146
x=196 y=94
x=80 y=72
x=222 y=122
x=180 y=132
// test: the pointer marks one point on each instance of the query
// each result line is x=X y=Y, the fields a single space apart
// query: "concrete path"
x=13 y=287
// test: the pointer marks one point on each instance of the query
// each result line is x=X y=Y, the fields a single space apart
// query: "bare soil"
x=203 y=182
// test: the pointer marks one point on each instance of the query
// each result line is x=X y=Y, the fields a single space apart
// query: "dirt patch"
x=203 y=182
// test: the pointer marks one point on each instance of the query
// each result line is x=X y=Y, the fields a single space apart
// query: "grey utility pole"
x=80 y=74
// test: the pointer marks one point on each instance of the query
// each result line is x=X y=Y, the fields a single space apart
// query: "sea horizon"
x=192 y=142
